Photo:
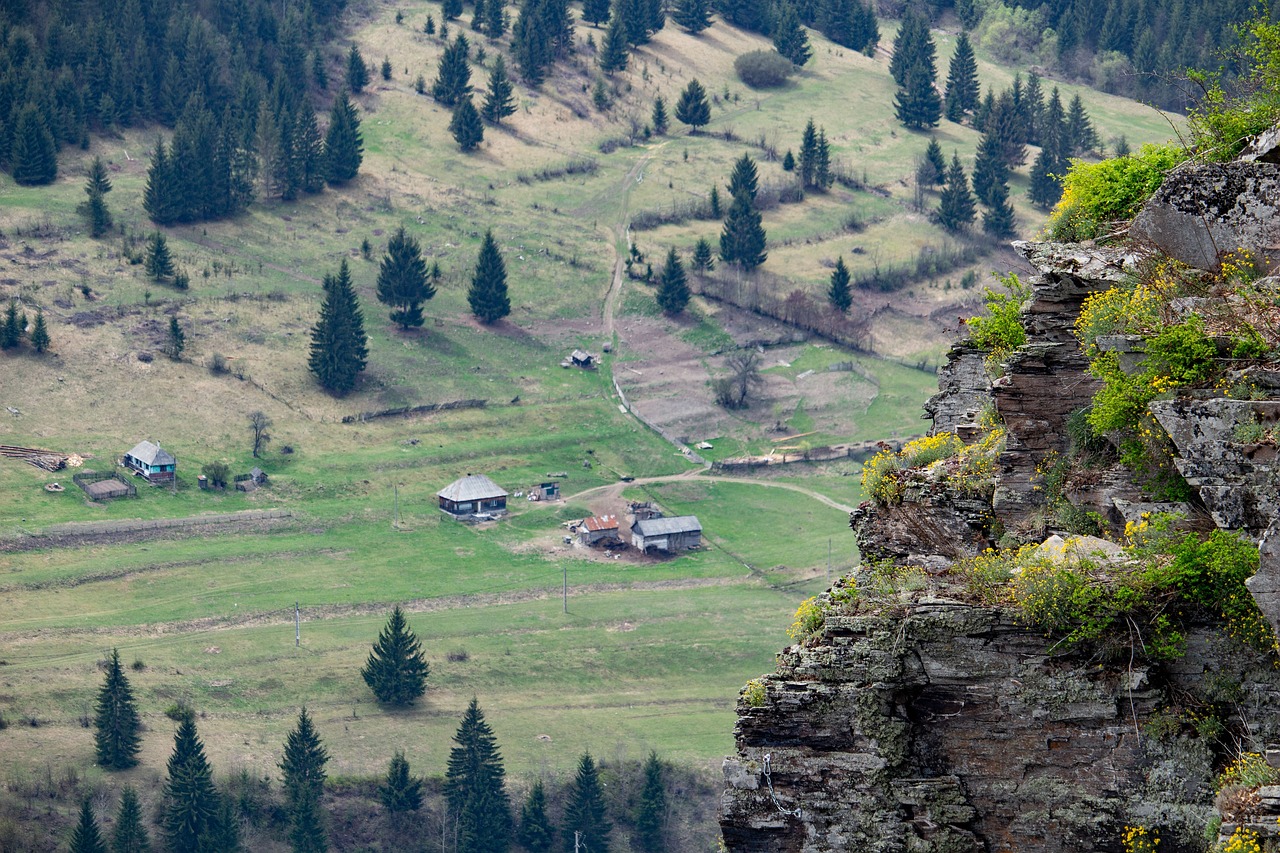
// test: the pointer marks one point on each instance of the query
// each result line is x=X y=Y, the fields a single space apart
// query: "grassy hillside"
x=651 y=652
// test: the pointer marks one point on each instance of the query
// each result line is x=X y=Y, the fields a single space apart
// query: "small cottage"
x=598 y=529
x=471 y=495
x=150 y=461
x=667 y=534
x=583 y=359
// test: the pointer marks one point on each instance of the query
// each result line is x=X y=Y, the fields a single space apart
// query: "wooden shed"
x=583 y=359
x=471 y=495
x=151 y=461
x=599 y=528
x=667 y=534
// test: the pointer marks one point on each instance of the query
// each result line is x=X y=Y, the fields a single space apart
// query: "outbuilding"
x=151 y=461
x=599 y=528
x=583 y=359
x=667 y=534
x=471 y=495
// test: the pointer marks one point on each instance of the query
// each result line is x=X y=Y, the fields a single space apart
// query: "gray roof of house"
x=152 y=454
x=666 y=526
x=473 y=488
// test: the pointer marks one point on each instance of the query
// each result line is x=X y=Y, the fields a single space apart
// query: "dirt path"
x=614 y=490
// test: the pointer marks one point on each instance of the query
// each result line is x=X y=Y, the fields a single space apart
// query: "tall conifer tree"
x=535 y=832
x=96 y=187
x=86 y=837
x=158 y=263
x=40 y=334
x=304 y=776
x=584 y=815
x=453 y=79
x=988 y=168
x=613 y=50
x=963 y=89
x=692 y=15
x=343 y=143
x=673 y=291
x=488 y=294
x=956 y=210
x=789 y=37
x=917 y=104
x=33 y=152
x=192 y=812
x=839 y=293
x=396 y=671
x=466 y=126
x=339 y=346
x=658 y=118
x=998 y=220
x=474 y=787
x=130 y=834
x=403 y=283
x=400 y=791
x=652 y=812
x=500 y=101
x=357 y=70
x=692 y=108
x=742 y=240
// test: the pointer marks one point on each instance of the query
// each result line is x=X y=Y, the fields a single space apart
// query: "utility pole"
x=566 y=591
x=297 y=625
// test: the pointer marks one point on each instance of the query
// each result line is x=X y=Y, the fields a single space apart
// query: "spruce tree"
x=500 y=101
x=614 y=49
x=744 y=178
x=478 y=15
x=703 y=260
x=130 y=834
x=319 y=73
x=495 y=18
x=1080 y=136
x=1034 y=109
x=308 y=148
x=808 y=155
x=474 y=787
x=357 y=71
x=339 y=346
x=963 y=89
x=713 y=202
x=466 y=126
x=40 y=334
x=956 y=210
x=396 y=671
x=998 y=220
x=86 y=837
x=742 y=240
x=33 y=152
x=402 y=280
x=159 y=199
x=177 y=341
x=400 y=791
x=988 y=168
x=96 y=186
x=865 y=30
x=913 y=46
x=451 y=9
x=1004 y=126
x=584 y=814
x=933 y=156
x=192 y=812
x=488 y=294
x=788 y=161
x=11 y=331
x=659 y=118
x=386 y=68
x=303 y=768
x=692 y=108
x=789 y=37
x=839 y=294
x=652 y=812
x=822 y=177
x=595 y=12
x=1046 y=174
x=673 y=291
x=917 y=104
x=692 y=15
x=158 y=263
x=453 y=80
x=343 y=143
x=535 y=832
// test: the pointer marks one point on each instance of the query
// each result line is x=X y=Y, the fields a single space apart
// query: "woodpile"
x=46 y=460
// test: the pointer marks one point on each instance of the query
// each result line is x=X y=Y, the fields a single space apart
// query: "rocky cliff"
x=916 y=720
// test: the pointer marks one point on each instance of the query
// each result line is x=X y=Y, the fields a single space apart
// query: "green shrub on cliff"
x=1097 y=196
x=1000 y=331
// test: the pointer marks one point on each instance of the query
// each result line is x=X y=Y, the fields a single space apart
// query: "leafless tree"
x=259 y=423
x=733 y=391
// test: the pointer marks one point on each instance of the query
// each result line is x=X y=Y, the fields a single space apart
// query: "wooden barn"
x=599 y=528
x=151 y=461
x=667 y=534
x=472 y=495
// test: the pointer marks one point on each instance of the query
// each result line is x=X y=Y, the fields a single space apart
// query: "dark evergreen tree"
x=130 y=834
x=584 y=815
x=913 y=46
x=357 y=71
x=430 y=26
x=303 y=768
x=808 y=154
x=177 y=341
x=474 y=787
x=956 y=210
x=192 y=812
x=998 y=219
x=339 y=346
x=319 y=72
x=396 y=671
x=839 y=293
x=40 y=334
x=742 y=240
x=703 y=260
x=692 y=108
x=33 y=152
x=673 y=291
x=692 y=15
x=988 y=168
x=86 y=837
x=478 y=15
x=466 y=126
x=788 y=161
x=823 y=178
x=1033 y=109
x=535 y=832
x=542 y=32
x=659 y=118
x=451 y=10
x=713 y=202
x=400 y=791
x=595 y=12
x=614 y=48
x=159 y=199
x=652 y=812
x=984 y=110
x=933 y=156
x=386 y=68
x=402 y=281
x=96 y=186
x=744 y=178
x=917 y=104
x=453 y=80
x=500 y=99
x=751 y=15
x=343 y=143
x=850 y=23
x=963 y=90
x=308 y=148
x=159 y=263
x=1050 y=164
x=789 y=37
x=1080 y=136
x=495 y=18
x=488 y=294
x=1004 y=126
x=11 y=331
